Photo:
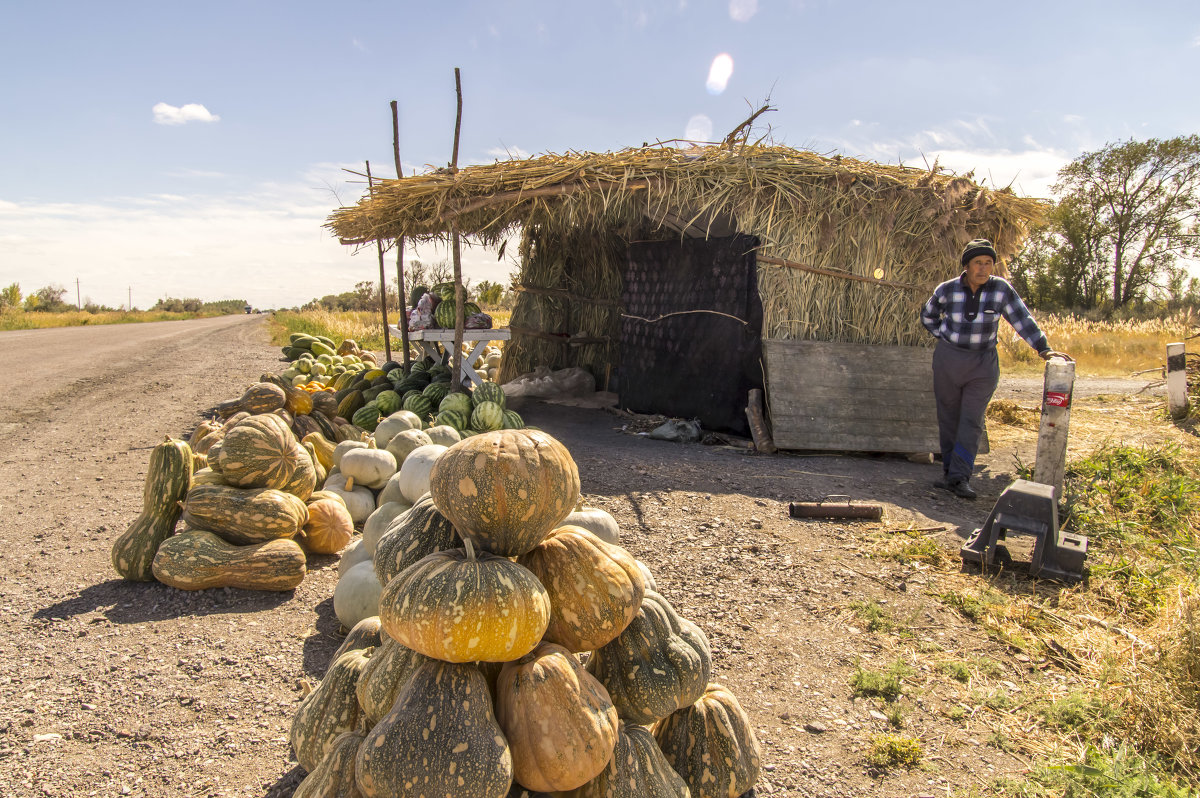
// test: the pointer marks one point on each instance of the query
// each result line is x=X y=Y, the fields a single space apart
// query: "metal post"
x=1177 y=396
x=1051 y=462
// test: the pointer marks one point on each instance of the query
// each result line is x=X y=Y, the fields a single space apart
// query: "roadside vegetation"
x=47 y=307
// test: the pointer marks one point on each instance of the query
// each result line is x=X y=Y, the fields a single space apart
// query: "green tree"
x=10 y=296
x=48 y=299
x=1136 y=205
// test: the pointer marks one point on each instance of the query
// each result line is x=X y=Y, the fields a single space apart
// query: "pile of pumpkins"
x=513 y=654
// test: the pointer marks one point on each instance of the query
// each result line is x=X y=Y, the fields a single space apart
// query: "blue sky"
x=194 y=149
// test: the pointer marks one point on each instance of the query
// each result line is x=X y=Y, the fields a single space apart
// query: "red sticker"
x=1057 y=399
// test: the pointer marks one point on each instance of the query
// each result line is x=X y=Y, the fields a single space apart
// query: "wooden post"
x=1177 y=394
x=400 y=290
x=459 y=298
x=387 y=340
x=1051 y=462
x=758 y=423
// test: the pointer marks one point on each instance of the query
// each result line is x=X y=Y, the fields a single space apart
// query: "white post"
x=1051 y=462
x=1177 y=397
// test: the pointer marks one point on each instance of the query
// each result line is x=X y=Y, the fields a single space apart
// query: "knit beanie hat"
x=980 y=246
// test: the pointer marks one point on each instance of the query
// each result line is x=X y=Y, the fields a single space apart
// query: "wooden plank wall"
x=851 y=397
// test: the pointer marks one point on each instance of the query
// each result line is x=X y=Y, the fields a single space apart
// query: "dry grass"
x=1103 y=348
x=22 y=320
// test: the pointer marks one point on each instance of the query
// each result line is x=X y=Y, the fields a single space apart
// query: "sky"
x=173 y=149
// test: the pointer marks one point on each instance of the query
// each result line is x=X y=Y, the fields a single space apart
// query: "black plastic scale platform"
x=1029 y=508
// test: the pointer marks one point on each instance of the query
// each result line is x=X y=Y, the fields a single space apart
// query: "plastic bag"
x=545 y=384
x=677 y=430
x=421 y=317
x=477 y=321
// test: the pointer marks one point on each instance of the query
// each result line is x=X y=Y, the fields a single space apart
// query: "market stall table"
x=434 y=343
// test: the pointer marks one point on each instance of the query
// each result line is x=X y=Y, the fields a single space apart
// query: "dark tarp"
x=693 y=365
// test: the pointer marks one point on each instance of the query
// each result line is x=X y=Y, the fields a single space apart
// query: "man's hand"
x=1046 y=354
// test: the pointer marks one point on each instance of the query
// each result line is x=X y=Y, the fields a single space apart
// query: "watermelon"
x=487 y=416
x=444 y=291
x=388 y=402
x=488 y=392
x=470 y=309
x=366 y=417
x=458 y=401
x=443 y=316
x=435 y=392
x=420 y=405
x=418 y=365
x=440 y=372
x=451 y=418
x=512 y=420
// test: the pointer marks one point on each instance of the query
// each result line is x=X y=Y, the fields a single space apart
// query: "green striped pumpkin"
x=245 y=515
x=261 y=452
x=487 y=416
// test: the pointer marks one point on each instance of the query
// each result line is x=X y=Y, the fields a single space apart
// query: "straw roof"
x=868 y=240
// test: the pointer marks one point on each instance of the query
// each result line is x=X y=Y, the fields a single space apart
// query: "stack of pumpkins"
x=470 y=682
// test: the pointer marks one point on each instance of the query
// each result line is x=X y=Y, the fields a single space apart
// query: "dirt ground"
x=115 y=688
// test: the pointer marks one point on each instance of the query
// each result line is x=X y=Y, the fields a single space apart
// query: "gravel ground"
x=116 y=688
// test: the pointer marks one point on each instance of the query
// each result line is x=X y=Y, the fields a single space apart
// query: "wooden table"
x=436 y=342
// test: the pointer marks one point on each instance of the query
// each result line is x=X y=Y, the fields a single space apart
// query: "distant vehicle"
x=249 y=309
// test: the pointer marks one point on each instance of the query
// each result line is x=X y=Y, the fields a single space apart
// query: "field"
x=23 y=320
x=868 y=660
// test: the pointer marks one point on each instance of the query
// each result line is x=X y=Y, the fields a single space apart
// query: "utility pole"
x=129 y=305
x=78 y=304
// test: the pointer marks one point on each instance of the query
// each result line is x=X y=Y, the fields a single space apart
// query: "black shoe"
x=943 y=483
x=962 y=489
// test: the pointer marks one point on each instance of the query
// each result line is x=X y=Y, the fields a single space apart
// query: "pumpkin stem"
x=371 y=442
x=349 y=483
x=470 y=549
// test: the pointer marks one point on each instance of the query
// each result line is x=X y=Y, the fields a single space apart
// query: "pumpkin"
x=392 y=424
x=356 y=595
x=378 y=522
x=202 y=429
x=366 y=634
x=560 y=724
x=322 y=447
x=168 y=479
x=412 y=536
x=370 y=467
x=599 y=522
x=415 y=472
x=213 y=438
x=391 y=492
x=595 y=588
x=439 y=739
x=462 y=606
x=333 y=777
x=505 y=489
x=637 y=769
x=319 y=472
x=261 y=452
x=206 y=476
x=340 y=449
x=304 y=425
x=384 y=677
x=402 y=444
x=329 y=528
x=345 y=431
x=647 y=576
x=443 y=434
x=245 y=515
x=324 y=404
x=261 y=397
x=658 y=664
x=328 y=711
x=711 y=745
x=299 y=402
x=352 y=555
x=197 y=559
x=359 y=500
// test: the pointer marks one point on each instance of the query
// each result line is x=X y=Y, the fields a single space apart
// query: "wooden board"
x=851 y=397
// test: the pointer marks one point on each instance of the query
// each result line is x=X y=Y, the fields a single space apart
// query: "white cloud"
x=165 y=114
x=265 y=245
x=719 y=73
x=1072 y=119
x=358 y=44
x=699 y=128
x=506 y=153
x=1030 y=172
x=742 y=10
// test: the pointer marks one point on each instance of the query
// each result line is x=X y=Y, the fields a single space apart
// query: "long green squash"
x=168 y=479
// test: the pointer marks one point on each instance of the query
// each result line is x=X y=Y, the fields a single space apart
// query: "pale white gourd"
x=340 y=450
x=396 y=422
x=599 y=522
x=359 y=499
x=370 y=467
x=414 y=473
x=402 y=443
x=352 y=555
x=443 y=434
x=380 y=520
x=357 y=594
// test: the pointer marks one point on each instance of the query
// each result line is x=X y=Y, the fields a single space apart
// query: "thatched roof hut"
x=840 y=250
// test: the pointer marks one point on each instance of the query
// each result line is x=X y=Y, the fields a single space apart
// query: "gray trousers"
x=963 y=383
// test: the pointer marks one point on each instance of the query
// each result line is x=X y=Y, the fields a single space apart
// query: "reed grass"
x=1101 y=348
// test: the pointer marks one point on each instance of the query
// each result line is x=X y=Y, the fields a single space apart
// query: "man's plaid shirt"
x=971 y=322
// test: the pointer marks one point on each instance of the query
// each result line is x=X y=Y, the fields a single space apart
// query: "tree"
x=1136 y=203
x=10 y=296
x=48 y=300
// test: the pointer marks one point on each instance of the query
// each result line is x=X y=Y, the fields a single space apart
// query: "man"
x=964 y=315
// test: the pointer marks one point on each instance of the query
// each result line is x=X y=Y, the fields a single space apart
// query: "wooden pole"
x=1177 y=396
x=758 y=423
x=1051 y=462
x=459 y=298
x=387 y=340
x=400 y=289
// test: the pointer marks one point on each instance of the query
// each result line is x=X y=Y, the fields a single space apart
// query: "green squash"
x=440 y=738
x=168 y=479
x=245 y=515
x=197 y=559
x=711 y=745
x=384 y=677
x=659 y=664
x=328 y=711
x=334 y=776
x=412 y=536
x=637 y=769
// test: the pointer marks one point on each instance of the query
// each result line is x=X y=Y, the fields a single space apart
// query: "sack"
x=477 y=321
x=677 y=430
